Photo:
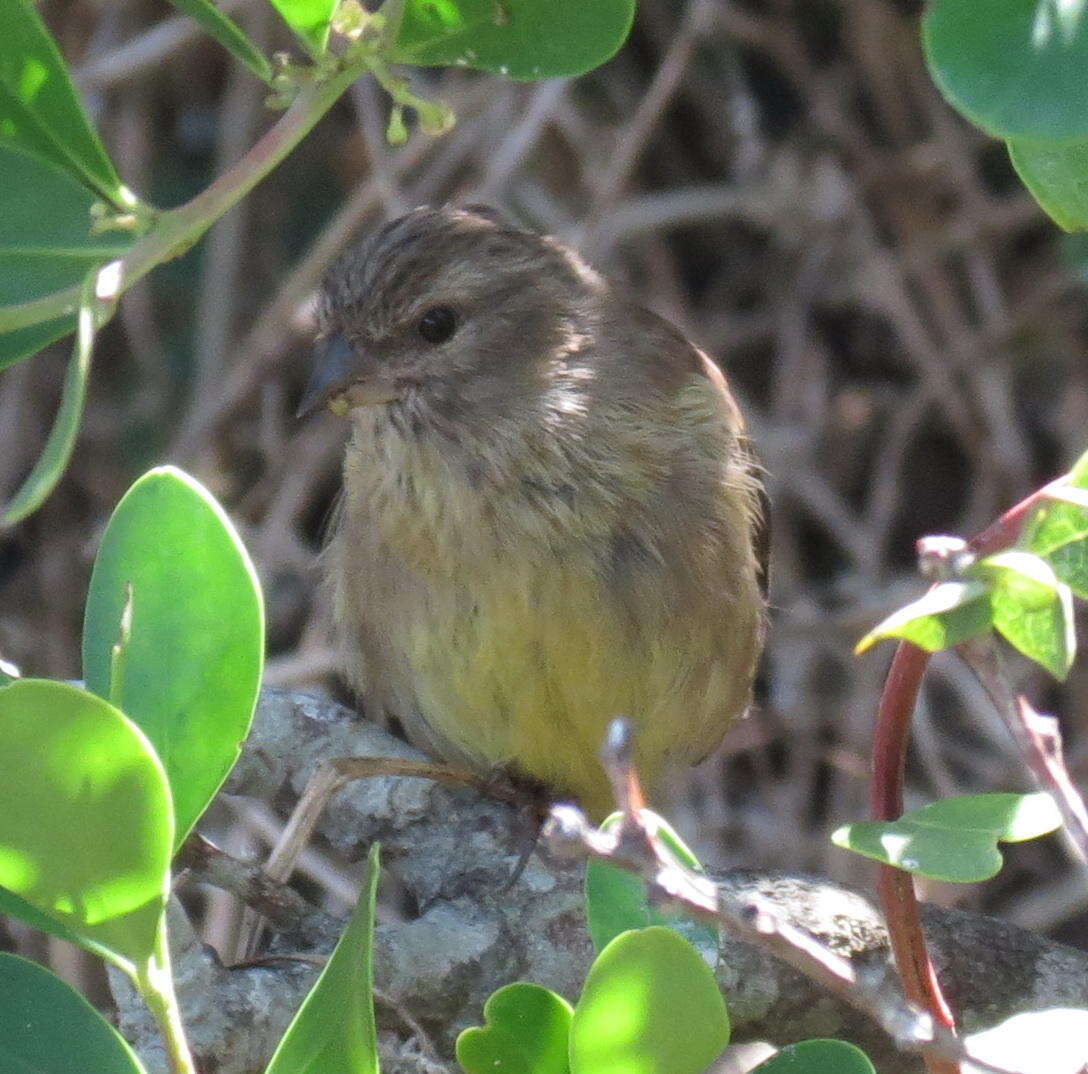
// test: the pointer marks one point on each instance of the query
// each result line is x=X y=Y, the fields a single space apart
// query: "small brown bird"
x=550 y=512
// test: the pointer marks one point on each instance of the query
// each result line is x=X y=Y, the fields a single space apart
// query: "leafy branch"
x=77 y=266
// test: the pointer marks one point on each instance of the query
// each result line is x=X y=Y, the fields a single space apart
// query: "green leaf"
x=45 y=250
x=954 y=839
x=527 y=1031
x=1047 y=1041
x=1059 y=533
x=1074 y=252
x=522 y=39
x=817 y=1057
x=1056 y=173
x=1032 y=609
x=948 y=614
x=309 y=19
x=39 y=109
x=45 y=1023
x=650 y=1005
x=1014 y=67
x=86 y=829
x=12 y=906
x=228 y=33
x=23 y=342
x=193 y=662
x=616 y=898
x=333 y=1032
x=53 y=460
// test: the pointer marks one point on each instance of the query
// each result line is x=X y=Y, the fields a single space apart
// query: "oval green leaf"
x=1032 y=609
x=44 y=1023
x=39 y=109
x=85 y=827
x=616 y=898
x=334 y=1032
x=309 y=19
x=1056 y=173
x=817 y=1057
x=1059 y=533
x=192 y=666
x=527 y=1031
x=1014 y=67
x=521 y=39
x=228 y=33
x=954 y=839
x=948 y=614
x=46 y=243
x=650 y=1005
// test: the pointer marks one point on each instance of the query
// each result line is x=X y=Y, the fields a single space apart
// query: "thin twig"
x=205 y=863
x=632 y=846
x=1037 y=737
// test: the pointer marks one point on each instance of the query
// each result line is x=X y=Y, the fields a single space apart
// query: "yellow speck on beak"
x=339 y=406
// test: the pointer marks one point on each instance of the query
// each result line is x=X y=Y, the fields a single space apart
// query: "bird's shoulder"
x=652 y=359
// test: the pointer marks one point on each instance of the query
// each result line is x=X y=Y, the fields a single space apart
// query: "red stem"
x=895 y=887
x=1006 y=530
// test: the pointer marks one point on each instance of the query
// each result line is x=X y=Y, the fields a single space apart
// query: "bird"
x=551 y=512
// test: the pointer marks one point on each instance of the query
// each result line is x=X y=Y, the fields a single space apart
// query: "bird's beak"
x=342 y=378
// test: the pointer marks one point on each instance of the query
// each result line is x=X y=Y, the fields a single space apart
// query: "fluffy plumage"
x=548 y=520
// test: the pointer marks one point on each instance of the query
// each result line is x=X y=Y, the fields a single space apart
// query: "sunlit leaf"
x=85 y=830
x=1032 y=609
x=334 y=1032
x=39 y=109
x=228 y=33
x=309 y=19
x=193 y=663
x=527 y=1031
x=1047 y=1041
x=650 y=1005
x=45 y=1023
x=955 y=839
x=1014 y=67
x=1059 y=533
x=616 y=898
x=524 y=39
x=1055 y=173
x=948 y=614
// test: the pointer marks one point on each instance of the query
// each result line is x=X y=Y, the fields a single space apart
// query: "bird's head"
x=448 y=306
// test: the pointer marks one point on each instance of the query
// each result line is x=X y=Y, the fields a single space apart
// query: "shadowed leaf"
x=523 y=39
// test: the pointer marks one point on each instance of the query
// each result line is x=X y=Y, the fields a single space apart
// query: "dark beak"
x=334 y=367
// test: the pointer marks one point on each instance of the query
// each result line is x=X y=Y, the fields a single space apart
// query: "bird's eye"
x=437 y=324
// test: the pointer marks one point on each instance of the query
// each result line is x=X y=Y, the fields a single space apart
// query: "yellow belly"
x=499 y=632
x=525 y=665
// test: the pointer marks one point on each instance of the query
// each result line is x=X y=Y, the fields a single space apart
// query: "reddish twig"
x=1006 y=530
x=895 y=887
x=1036 y=735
